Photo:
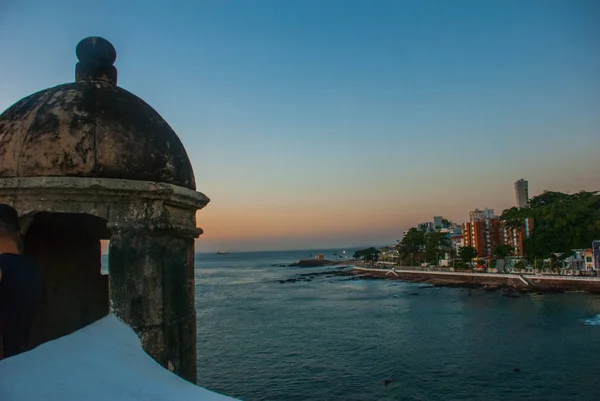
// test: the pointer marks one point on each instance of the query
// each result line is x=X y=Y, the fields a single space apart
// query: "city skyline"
x=314 y=125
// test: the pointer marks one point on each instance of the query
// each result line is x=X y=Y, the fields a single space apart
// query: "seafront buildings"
x=486 y=234
x=485 y=231
x=515 y=237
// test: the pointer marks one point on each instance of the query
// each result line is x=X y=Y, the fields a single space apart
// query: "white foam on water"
x=593 y=321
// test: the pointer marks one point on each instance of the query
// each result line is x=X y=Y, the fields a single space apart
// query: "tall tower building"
x=522 y=192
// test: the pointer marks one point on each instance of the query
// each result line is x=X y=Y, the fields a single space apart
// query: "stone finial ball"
x=96 y=50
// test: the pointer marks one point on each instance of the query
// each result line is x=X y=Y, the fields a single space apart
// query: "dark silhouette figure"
x=20 y=287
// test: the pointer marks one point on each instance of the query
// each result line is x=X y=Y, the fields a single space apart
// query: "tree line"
x=562 y=222
x=419 y=245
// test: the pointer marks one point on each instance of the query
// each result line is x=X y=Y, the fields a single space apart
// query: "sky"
x=340 y=123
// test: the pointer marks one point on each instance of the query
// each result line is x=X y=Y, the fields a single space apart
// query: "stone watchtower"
x=88 y=161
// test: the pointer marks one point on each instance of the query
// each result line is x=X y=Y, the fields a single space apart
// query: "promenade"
x=513 y=281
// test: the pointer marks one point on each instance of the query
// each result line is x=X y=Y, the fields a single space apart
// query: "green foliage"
x=413 y=241
x=435 y=243
x=466 y=254
x=368 y=255
x=520 y=265
x=446 y=223
x=562 y=222
x=539 y=264
x=502 y=251
x=419 y=245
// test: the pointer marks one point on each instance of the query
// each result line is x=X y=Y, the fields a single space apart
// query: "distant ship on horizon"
x=222 y=253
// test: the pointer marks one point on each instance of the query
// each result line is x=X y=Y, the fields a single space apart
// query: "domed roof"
x=91 y=128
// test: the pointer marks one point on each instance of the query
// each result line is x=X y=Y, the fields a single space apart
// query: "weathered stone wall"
x=151 y=227
x=86 y=161
x=114 y=200
x=152 y=289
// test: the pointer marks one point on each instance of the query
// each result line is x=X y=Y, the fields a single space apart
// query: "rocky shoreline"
x=508 y=288
x=490 y=283
x=308 y=277
x=316 y=263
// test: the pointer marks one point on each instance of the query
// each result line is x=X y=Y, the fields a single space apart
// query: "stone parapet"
x=122 y=203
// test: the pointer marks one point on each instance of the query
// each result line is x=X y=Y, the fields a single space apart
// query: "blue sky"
x=338 y=123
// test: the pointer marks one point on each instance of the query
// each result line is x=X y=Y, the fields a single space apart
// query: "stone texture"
x=91 y=129
x=96 y=58
x=87 y=161
x=151 y=227
x=114 y=200
x=149 y=278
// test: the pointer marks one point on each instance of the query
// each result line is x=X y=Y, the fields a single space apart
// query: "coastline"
x=523 y=283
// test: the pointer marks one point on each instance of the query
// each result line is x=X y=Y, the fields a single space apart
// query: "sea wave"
x=593 y=321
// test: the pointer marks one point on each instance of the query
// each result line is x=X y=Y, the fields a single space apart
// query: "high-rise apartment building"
x=437 y=222
x=486 y=234
x=515 y=237
x=477 y=214
x=522 y=193
x=483 y=235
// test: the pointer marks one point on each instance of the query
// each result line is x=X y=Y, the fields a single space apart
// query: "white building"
x=575 y=262
x=457 y=242
x=456 y=229
x=522 y=193
x=479 y=215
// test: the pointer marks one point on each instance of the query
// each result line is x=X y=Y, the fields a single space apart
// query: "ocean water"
x=339 y=339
